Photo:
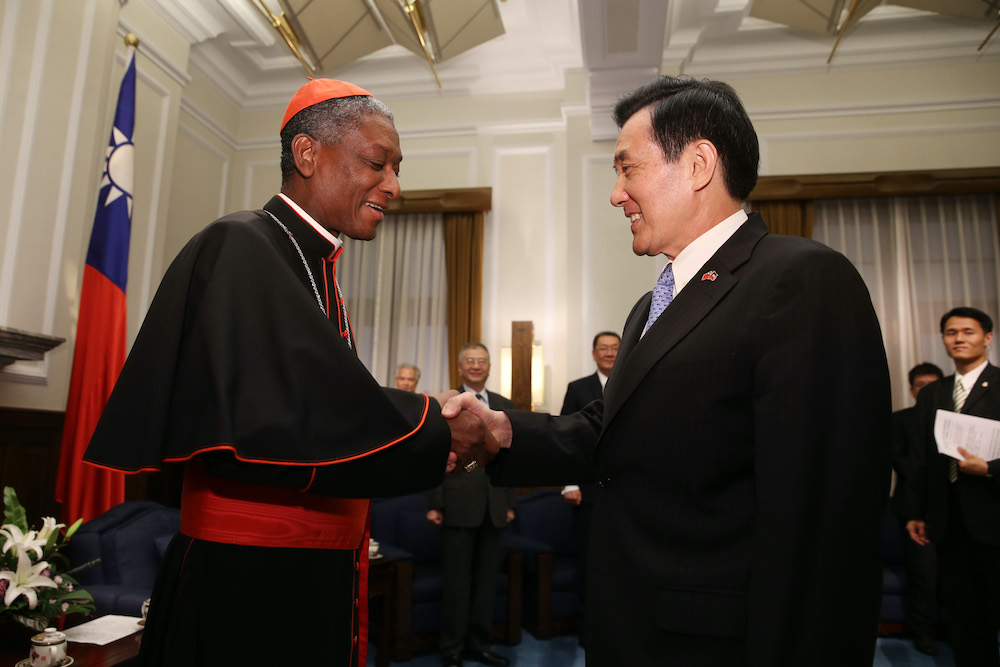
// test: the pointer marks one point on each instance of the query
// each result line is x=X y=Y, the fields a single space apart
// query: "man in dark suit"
x=921 y=560
x=742 y=446
x=473 y=514
x=578 y=394
x=957 y=507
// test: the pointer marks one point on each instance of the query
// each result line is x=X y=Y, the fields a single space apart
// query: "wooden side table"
x=387 y=579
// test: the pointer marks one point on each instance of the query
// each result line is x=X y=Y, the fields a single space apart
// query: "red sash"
x=223 y=510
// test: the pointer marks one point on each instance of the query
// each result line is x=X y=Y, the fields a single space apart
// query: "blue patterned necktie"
x=663 y=294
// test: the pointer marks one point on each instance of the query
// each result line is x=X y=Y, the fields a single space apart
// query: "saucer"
x=375 y=557
x=65 y=663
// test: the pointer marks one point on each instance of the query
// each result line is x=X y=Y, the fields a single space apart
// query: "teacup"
x=48 y=649
x=372 y=548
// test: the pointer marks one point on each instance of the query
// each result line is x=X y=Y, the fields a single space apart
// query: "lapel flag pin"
x=711 y=275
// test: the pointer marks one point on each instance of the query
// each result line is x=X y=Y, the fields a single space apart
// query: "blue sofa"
x=129 y=540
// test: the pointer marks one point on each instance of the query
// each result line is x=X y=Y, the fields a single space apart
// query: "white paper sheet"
x=104 y=630
x=978 y=435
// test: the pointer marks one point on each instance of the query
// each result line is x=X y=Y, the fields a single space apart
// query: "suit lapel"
x=638 y=356
x=986 y=382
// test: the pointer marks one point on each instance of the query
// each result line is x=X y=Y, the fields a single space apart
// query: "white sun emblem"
x=119 y=172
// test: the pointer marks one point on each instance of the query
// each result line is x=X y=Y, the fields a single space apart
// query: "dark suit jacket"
x=742 y=452
x=906 y=445
x=979 y=497
x=580 y=392
x=464 y=497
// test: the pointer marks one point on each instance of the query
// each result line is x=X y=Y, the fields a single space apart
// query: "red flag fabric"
x=86 y=491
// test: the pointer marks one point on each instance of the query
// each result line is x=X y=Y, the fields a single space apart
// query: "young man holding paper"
x=956 y=503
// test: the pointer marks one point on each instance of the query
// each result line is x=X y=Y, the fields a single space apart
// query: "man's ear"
x=304 y=154
x=704 y=163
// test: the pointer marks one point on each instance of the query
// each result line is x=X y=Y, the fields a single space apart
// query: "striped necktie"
x=958 y=400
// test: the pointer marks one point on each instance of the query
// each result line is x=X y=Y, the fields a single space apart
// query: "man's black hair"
x=967 y=311
x=686 y=109
x=925 y=368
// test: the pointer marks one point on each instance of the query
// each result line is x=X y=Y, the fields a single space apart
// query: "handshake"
x=477 y=433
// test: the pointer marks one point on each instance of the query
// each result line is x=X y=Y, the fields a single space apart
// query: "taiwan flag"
x=85 y=491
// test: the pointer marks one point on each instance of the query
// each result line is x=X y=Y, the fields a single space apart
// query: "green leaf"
x=12 y=510
x=72 y=529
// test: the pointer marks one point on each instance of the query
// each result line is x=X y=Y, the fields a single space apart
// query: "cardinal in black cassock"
x=245 y=371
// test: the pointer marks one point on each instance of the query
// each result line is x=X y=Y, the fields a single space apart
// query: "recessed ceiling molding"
x=193 y=19
x=250 y=21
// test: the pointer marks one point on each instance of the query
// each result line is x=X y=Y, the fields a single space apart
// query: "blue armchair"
x=129 y=539
x=552 y=574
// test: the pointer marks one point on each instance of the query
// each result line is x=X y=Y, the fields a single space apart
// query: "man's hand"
x=574 y=497
x=497 y=422
x=973 y=465
x=510 y=514
x=918 y=532
x=435 y=517
x=445 y=396
x=471 y=440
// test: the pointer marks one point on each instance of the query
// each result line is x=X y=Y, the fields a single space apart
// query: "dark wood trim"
x=878 y=184
x=443 y=201
x=522 y=337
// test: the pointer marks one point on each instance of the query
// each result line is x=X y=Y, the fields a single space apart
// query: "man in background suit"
x=578 y=394
x=921 y=561
x=957 y=507
x=473 y=514
x=742 y=446
x=407 y=377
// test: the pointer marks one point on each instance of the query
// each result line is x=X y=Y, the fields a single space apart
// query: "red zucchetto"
x=320 y=90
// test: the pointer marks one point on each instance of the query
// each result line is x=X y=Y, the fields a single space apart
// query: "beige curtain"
x=919 y=257
x=396 y=292
x=463 y=246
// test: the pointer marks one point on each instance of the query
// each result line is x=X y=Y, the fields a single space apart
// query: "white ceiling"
x=618 y=43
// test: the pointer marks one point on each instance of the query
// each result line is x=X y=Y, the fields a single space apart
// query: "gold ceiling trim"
x=288 y=35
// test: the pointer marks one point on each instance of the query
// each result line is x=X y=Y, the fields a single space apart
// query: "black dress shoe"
x=451 y=661
x=487 y=657
x=925 y=645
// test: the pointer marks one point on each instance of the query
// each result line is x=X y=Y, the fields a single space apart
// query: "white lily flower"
x=49 y=526
x=23 y=541
x=25 y=580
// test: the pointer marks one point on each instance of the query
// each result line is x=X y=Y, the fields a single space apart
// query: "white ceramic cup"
x=48 y=649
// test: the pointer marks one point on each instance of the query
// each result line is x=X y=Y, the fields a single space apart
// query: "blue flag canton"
x=109 y=240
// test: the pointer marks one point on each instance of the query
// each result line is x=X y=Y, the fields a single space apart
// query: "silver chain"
x=309 y=272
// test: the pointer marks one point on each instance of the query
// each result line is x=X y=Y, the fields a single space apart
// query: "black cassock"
x=239 y=373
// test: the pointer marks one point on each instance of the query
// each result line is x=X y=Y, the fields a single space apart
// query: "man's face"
x=652 y=192
x=964 y=340
x=605 y=353
x=921 y=381
x=355 y=179
x=406 y=379
x=474 y=366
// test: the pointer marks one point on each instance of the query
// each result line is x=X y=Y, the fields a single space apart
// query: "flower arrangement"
x=35 y=587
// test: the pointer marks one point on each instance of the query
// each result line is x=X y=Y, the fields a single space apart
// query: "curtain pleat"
x=463 y=242
x=396 y=292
